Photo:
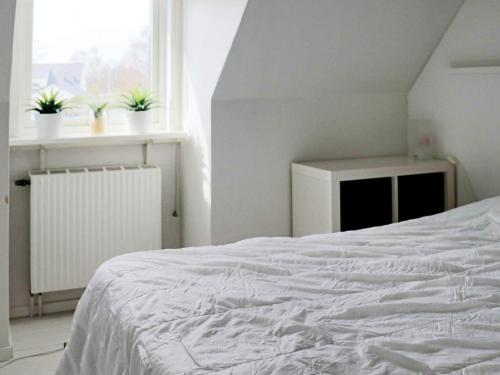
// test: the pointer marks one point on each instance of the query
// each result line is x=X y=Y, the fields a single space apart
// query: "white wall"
x=24 y=160
x=209 y=28
x=255 y=141
x=7 y=13
x=308 y=80
x=464 y=109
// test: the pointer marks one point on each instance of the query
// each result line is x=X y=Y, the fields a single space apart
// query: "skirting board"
x=48 y=308
x=6 y=353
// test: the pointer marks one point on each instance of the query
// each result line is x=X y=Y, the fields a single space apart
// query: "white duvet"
x=418 y=297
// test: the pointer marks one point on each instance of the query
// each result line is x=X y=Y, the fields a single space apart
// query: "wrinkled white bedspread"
x=417 y=297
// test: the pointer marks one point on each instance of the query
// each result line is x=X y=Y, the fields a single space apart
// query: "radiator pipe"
x=32 y=304
x=40 y=304
x=175 y=213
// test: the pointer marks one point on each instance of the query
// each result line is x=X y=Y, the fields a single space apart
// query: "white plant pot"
x=138 y=122
x=48 y=125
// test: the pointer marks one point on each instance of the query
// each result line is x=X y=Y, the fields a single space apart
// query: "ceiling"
x=303 y=48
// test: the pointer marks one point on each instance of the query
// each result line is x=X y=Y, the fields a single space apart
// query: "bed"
x=419 y=297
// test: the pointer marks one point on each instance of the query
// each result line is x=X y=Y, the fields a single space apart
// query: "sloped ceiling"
x=303 y=48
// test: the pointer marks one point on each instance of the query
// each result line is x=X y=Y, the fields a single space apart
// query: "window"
x=92 y=50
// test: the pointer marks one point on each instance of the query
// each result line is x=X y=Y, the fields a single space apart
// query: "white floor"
x=36 y=335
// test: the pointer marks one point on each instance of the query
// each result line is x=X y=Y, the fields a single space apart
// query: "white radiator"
x=83 y=217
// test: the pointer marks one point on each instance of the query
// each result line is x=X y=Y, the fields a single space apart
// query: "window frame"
x=165 y=69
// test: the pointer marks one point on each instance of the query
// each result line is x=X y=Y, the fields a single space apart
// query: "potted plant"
x=48 y=108
x=138 y=104
x=98 y=121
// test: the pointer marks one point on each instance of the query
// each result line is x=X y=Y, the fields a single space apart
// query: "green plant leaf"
x=49 y=102
x=138 y=100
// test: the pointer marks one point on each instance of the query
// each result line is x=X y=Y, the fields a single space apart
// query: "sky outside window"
x=92 y=47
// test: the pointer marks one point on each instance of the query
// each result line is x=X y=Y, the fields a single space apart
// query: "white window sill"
x=110 y=139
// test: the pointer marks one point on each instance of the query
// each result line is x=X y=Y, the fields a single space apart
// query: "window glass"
x=92 y=48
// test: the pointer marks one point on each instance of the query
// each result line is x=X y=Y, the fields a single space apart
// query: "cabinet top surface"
x=391 y=163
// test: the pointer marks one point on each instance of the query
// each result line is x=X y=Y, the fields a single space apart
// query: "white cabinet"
x=341 y=195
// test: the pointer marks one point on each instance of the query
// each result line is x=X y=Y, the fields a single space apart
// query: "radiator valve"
x=23 y=182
